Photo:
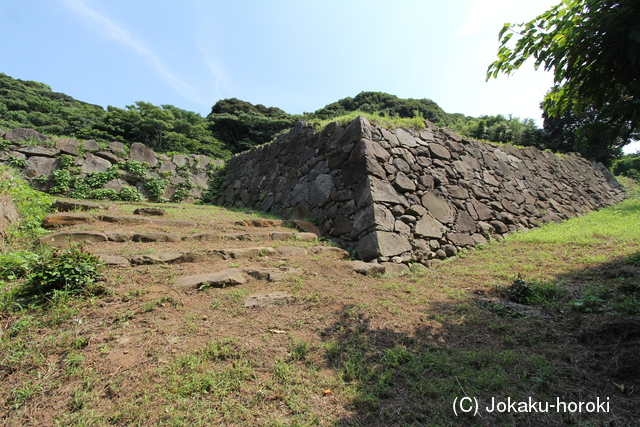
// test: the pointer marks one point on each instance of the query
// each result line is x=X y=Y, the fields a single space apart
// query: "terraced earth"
x=222 y=317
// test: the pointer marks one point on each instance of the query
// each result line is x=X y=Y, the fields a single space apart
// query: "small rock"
x=59 y=219
x=330 y=250
x=394 y=268
x=156 y=237
x=367 y=268
x=72 y=205
x=292 y=251
x=263 y=300
x=221 y=279
x=64 y=238
x=116 y=261
x=150 y=212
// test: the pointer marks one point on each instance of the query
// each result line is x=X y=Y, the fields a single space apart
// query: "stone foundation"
x=412 y=196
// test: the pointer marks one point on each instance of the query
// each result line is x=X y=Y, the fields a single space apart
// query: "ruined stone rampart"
x=174 y=178
x=413 y=196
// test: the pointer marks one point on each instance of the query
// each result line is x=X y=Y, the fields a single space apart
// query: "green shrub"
x=139 y=168
x=103 y=194
x=532 y=293
x=183 y=189
x=69 y=270
x=629 y=167
x=130 y=194
x=32 y=205
x=17 y=162
x=156 y=187
x=217 y=184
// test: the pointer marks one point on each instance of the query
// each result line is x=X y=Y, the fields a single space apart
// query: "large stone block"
x=141 y=153
x=382 y=244
x=439 y=207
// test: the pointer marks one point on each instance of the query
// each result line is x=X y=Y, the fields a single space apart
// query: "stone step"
x=261 y=223
x=179 y=257
x=75 y=218
x=235 y=276
x=65 y=238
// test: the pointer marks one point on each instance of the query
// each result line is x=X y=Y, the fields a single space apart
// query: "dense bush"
x=628 y=166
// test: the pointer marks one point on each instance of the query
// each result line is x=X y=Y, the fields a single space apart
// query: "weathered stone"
x=460 y=239
x=394 y=268
x=283 y=235
x=285 y=273
x=94 y=164
x=372 y=217
x=109 y=156
x=402 y=228
x=221 y=279
x=464 y=223
x=439 y=152
x=382 y=243
x=39 y=151
x=265 y=300
x=402 y=165
x=321 y=189
x=159 y=258
x=292 y=251
x=330 y=251
x=429 y=227
x=115 y=261
x=416 y=210
x=403 y=183
x=150 y=212
x=91 y=145
x=369 y=148
x=117 y=147
x=405 y=138
x=356 y=130
x=65 y=238
x=21 y=134
x=156 y=237
x=375 y=190
x=74 y=205
x=367 y=268
x=438 y=206
x=499 y=227
x=8 y=212
x=244 y=253
x=60 y=219
x=119 y=237
x=342 y=225
x=37 y=166
x=141 y=153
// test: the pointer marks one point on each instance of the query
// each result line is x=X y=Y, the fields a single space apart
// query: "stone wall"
x=39 y=157
x=410 y=196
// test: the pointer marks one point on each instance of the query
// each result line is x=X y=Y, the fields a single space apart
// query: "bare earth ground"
x=348 y=350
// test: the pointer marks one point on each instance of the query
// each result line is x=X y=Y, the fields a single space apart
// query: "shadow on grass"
x=412 y=378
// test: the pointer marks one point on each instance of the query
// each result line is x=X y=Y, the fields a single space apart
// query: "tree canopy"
x=593 y=49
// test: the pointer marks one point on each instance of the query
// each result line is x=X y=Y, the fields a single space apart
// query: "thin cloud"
x=114 y=31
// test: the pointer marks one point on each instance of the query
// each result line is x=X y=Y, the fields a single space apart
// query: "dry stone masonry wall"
x=183 y=177
x=408 y=196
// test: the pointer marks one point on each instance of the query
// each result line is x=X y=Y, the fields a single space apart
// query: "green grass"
x=416 y=123
x=619 y=223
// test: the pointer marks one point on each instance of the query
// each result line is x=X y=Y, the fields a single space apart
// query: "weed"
x=67 y=270
x=530 y=293
x=298 y=350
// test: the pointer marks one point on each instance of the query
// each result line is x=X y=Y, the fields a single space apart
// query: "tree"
x=593 y=49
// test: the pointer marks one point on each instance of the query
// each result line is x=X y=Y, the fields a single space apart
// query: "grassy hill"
x=548 y=314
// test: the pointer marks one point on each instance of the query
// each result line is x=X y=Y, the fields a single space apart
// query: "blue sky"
x=296 y=55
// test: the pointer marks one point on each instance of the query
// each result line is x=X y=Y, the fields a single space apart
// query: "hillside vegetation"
x=232 y=126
